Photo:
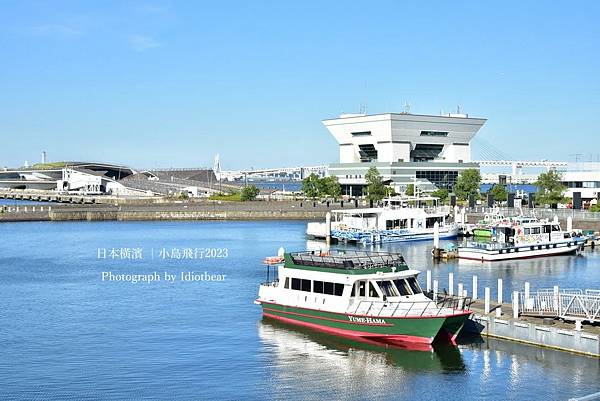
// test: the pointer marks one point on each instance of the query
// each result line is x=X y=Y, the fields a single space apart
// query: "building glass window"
x=441 y=179
x=434 y=133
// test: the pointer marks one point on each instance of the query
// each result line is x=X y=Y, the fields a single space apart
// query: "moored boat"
x=522 y=238
x=399 y=219
x=367 y=295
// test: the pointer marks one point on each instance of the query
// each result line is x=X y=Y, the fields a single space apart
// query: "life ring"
x=273 y=260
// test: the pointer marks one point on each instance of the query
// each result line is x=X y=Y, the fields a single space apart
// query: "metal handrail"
x=358 y=259
x=565 y=305
x=428 y=306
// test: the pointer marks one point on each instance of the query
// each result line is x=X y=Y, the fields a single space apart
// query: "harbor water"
x=88 y=311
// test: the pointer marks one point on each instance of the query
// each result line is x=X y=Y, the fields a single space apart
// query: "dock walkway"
x=540 y=331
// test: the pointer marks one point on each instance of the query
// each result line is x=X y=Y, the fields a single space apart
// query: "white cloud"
x=143 y=42
x=152 y=8
x=56 y=30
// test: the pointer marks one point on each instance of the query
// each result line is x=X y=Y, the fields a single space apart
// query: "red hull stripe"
x=326 y=318
x=457 y=313
x=389 y=338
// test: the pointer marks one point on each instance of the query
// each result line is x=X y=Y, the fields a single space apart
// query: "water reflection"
x=320 y=366
x=330 y=351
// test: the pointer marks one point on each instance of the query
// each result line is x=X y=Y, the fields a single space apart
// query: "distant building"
x=110 y=179
x=585 y=182
x=579 y=177
x=404 y=147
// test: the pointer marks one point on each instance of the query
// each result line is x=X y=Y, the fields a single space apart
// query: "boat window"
x=372 y=291
x=388 y=289
x=338 y=289
x=328 y=288
x=300 y=284
x=295 y=284
x=535 y=230
x=362 y=288
x=403 y=287
x=526 y=231
x=555 y=227
x=414 y=285
x=287 y=283
x=547 y=228
x=318 y=287
x=353 y=293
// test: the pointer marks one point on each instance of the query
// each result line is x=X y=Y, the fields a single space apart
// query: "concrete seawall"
x=534 y=333
x=163 y=213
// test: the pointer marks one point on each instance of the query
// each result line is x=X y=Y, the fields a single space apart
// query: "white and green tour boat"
x=521 y=238
x=373 y=296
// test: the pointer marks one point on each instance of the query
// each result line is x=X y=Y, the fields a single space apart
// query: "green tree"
x=550 y=188
x=441 y=193
x=376 y=190
x=330 y=186
x=499 y=192
x=467 y=183
x=249 y=193
x=410 y=190
x=311 y=186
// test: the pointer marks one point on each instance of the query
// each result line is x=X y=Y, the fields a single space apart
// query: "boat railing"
x=348 y=260
x=490 y=246
x=426 y=308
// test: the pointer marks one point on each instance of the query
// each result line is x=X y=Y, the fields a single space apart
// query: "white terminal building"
x=431 y=150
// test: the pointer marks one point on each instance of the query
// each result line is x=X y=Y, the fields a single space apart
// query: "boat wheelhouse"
x=522 y=237
x=399 y=219
x=373 y=296
x=485 y=227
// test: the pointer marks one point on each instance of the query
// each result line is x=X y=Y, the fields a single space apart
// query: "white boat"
x=522 y=238
x=399 y=219
x=362 y=295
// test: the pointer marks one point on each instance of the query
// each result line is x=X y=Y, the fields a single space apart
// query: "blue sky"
x=160 y=84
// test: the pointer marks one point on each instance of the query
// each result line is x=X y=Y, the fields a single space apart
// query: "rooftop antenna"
x=577 y=156
x=458 y=109
x=406 y=108
x=217 y=167
x=362 y=108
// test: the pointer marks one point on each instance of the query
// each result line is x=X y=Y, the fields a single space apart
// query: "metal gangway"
x=567 y=304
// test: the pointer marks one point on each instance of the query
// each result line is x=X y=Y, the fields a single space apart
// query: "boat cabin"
x=386 y=219
x=334 y=281
x=529 y=231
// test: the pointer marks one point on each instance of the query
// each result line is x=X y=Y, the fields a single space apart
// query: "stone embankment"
x=208 y=210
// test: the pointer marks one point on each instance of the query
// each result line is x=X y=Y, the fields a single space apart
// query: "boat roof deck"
x=349 y=260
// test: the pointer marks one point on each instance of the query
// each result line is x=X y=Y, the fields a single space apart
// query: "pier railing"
x=540 y=213
x=569 y=304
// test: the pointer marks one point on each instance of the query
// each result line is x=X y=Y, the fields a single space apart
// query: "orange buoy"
x=273 y=260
